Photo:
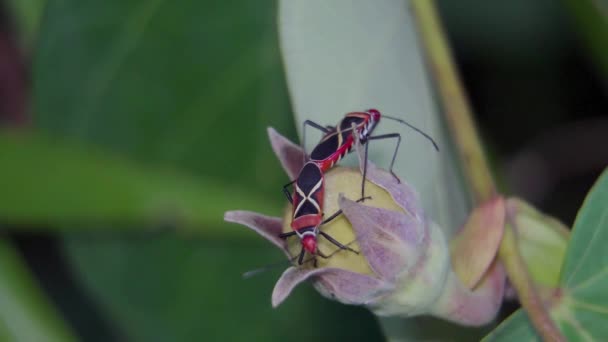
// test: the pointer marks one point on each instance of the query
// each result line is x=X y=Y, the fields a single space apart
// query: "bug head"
x=374 y=113
x=309 y=242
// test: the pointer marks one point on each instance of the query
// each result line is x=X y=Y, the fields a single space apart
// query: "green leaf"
x=516 y=327
x=351 y=56
x=587 y=256
x=81 y=185
x=25 y=312
x=580 y=307
x=191 y=86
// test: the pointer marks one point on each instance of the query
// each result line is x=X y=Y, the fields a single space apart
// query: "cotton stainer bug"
x=338 y=141
x=307 y=214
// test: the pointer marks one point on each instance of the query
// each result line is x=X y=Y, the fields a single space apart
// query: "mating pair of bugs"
x=307 y=199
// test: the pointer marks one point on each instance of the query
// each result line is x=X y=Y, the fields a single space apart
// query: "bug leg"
x=336 y=242
x=301 y=257
x=314 y=125
x=337 y=213
x=364 y=172
x=387 y=136
x=319 y=253
x=286 y=235
x=333 y=216
x=286 y=191
x=360 y=143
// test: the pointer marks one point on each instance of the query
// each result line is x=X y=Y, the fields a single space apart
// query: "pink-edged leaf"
x=391 y=241
x=474 y=247
x=472 y=307
x=350 y=287
x=291 y=278
x=403 y=194
x=289 y=154
x=267 y=226
x=344 y=286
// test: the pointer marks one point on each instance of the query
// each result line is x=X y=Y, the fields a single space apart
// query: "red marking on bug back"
x=310 y=244
x=329 y=162
x=305 y=221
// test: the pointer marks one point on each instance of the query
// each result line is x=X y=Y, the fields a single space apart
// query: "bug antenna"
x=415 y=129
x=257 y=271
x=262 y=269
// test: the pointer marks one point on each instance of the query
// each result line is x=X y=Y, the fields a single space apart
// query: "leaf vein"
x=590 y=280
x=590 y=307
x=592 y=240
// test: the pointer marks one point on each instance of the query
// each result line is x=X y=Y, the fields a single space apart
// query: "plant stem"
x=521 y=281
x=459 y=117
x=456 y=106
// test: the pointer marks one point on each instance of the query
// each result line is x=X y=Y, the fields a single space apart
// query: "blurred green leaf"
x=351 y=56
x=189 y=85
x=25 y=312
x=591 y=18
x=581 y=305
x=542 y=241
x=79 y=185
x=184 y=290
x=27 y=15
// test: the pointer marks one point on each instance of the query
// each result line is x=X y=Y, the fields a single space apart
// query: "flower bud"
x=403 y=267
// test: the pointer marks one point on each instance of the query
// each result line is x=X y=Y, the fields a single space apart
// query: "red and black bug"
x=307 y=214
x=339 y=140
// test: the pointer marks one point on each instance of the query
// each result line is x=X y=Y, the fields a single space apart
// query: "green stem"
x=25 y=312
x=456 y=107
x=460 y=121
x=521 y=281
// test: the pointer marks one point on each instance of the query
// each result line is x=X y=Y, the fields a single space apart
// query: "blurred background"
x=192 y=85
